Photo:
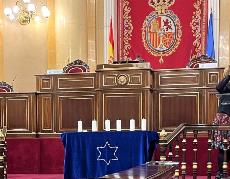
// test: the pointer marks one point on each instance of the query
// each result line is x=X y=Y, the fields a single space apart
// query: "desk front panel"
x=133 y=79
x=211 y=106
x=18 y=113
x=185 y=96
x=179 y=78
x=179 y=106
x=71 y=107
x=45 y=83
x=75 y=83
x=125 y=105
x=66 y=82
x=212 y=77
x=45 y=115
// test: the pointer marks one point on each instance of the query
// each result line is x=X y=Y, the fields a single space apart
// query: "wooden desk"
x=166 y=98
x=150 y=170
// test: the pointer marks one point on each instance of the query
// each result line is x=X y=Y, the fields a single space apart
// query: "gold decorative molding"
x=3 y=132
x=192 y=79
x=46 y=83
x=122 y=79
x=115 y=79
x=81 y=82
x=197 y=26
x=128 y=29
x=152 y=30
x=213 y=78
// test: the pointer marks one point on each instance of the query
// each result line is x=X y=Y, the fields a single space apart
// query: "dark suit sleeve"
x=222 y=87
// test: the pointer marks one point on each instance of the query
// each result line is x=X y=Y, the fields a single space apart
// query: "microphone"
x=68 y=61
x=13 y=81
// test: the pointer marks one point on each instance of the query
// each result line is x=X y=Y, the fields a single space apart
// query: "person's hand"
x=227 y=71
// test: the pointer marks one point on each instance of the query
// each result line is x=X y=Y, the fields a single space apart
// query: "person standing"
x=222 y=118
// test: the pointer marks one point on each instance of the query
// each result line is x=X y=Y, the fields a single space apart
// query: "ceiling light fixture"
x=24 y=11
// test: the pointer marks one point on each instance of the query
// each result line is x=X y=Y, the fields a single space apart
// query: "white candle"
x=143 y=124
x=79 y=126
x=132 y=124
x=118 y=125
x=107 y=125
x=94 y=125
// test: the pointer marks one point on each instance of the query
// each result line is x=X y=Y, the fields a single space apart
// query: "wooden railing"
x=168 y=139
x=3 y=165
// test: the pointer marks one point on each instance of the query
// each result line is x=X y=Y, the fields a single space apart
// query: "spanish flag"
x=111 y=43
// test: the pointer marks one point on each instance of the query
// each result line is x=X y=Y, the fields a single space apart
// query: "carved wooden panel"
x=20 y=113
x=71 y=107
x=45 y=83
x=65 y=82
x=45 y=113
x=124 y=105
x=211 y=106
x=181 y=78
x=181 y=106
x=17 y=106
x=213 y=76
x=125 y=79
x=76 y=82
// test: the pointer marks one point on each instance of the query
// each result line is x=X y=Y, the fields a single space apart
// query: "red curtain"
x=166 y=33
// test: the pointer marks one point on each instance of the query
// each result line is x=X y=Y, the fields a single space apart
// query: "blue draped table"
x=95 y=154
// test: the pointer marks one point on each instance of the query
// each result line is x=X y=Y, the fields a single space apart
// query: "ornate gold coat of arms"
x=161 y=30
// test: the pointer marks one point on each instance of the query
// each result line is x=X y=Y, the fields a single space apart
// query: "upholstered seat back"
x=77 y=66
x=4 y=87
x=194 y=63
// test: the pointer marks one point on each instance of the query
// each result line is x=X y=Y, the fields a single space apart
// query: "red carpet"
x=35 y=176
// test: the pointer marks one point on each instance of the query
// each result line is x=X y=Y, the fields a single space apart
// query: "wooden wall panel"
x=71 y=83
x=71 y=107
x=185 y=96
x=65 y=82
x=45 y=113
x=125 y=93
x=124 y=105
x=17 y=113
x=212 y=77
x=44 y=83
x=20 y=113
x=133 y=79
x=176 y=107
x=179 y=78
x=211 y=105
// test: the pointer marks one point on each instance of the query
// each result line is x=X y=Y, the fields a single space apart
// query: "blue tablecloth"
x=95 y=154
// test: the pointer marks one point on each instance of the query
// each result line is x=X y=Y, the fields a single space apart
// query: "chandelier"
x=24 y=11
